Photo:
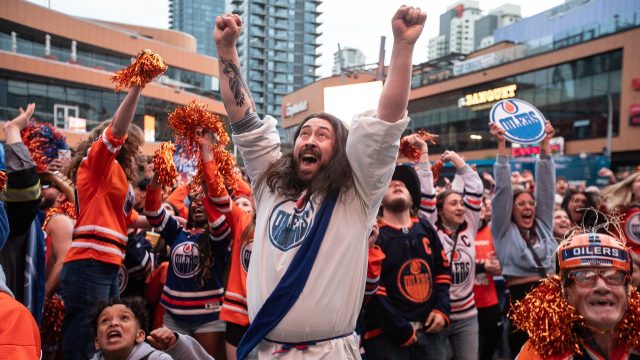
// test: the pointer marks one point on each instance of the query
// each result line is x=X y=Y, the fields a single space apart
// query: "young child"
x=120 y=333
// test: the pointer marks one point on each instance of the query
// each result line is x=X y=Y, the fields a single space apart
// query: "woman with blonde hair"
x=624 y=198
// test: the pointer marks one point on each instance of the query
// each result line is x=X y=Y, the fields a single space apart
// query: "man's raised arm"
x=407 y=25
x=235 y=92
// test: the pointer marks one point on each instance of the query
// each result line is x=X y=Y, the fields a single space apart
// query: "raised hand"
x=454 y=157
x=414 y=139
x=22 y=120
x=407 y=24
x=162 y=338
x=497 y=132
x=227 y=30
x=549 y=132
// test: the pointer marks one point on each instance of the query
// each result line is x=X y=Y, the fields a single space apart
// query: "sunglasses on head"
x=588 y=278
x=45 y=185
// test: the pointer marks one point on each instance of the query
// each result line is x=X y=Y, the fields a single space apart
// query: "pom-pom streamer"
x=410 y=151
x=43 y=142
x=3 y=180
x=163 y=164
x=145 y=68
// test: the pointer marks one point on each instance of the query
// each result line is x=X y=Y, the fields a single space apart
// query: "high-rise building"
x=196 y=17
x=463 y=29
x=504 y=15
x=277 y=48
x=352 y=59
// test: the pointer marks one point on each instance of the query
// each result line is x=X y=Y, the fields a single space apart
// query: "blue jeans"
x=428 y=346
x=82 y=284
x=463 y=336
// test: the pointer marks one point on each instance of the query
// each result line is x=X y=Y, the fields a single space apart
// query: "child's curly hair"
x=136 y=304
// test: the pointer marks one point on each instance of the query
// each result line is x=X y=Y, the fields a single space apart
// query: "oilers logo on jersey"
x=414 y=280
x=461 y=266
x=245 y=255
x=288 y=224
x=185 y=259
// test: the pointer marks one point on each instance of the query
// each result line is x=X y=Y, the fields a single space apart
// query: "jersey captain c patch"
x=289 y=225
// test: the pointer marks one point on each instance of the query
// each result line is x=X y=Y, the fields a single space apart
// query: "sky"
x=354 y=23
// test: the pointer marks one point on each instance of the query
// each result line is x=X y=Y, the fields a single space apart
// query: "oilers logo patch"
x=632 y=228
x=123 y=278
x=289 y=225
x=461 y=266
x=185 y=259
x=245 y=255
x=130 y=199
x=414 y=280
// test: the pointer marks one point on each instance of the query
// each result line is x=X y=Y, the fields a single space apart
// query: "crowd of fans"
x=100 y=260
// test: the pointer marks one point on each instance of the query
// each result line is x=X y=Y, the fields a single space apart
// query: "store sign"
x=77 y=125
x=292 y=109
x=522 y=122
x=556 y=144
x=487 y=96
x=475 y=64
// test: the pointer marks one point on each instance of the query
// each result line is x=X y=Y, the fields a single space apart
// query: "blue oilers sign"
x=521 y=121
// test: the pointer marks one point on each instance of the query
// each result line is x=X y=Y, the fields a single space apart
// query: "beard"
x=396 y=205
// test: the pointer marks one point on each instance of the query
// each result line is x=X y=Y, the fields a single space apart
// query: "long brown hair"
x=126 y=157
x=282 y=175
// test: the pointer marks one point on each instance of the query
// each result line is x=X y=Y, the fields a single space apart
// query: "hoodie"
x=19 y=334
x=185 y=348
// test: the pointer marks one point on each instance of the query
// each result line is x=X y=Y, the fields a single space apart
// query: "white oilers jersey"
x=460 y=247
x=330 y=302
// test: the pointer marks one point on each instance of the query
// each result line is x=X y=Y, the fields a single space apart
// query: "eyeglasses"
x=588 y=278
x=522 y=203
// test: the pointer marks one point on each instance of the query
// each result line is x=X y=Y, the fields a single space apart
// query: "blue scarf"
x=34 y=270
x=290 y=286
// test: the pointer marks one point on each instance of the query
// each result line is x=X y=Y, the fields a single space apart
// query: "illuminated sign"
x=521 y=121
x=487 y=96
x=292 y=109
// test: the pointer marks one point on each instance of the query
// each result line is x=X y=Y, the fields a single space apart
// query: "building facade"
x=63 y=64
x=348 y=58
x=197 y=17
x=580 y=89
x=464 y=29
x=277 y=48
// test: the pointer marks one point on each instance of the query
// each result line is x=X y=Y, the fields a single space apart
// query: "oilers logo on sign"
x=632 y=227
x=288 y=225
x=521 y=121
x=185 y=260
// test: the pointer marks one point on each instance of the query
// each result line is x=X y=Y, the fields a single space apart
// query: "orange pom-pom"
x=226 y=167
x=436 y=168
x=185 y=120
x=3 y=180
x=145 y=68
x=163 y=164
x=548 y=319
x=628 y=330
x=410 y=151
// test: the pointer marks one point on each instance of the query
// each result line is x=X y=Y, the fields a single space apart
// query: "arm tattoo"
x=236 y=82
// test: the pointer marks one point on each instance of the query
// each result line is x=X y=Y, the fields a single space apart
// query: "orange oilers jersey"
x=234 y=306
x=104 y=201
